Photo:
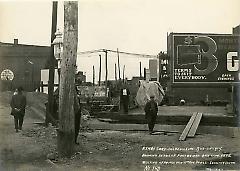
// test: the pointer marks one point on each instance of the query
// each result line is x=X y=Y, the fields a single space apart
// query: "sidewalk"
x=18 y=152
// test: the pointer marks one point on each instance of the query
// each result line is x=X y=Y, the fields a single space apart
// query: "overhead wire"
x=114 y=51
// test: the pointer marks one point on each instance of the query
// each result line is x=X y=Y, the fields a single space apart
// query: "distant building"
x=236 y=30
x=135 y=81
x=153 y=69
x=134 y=84
x=147 y=76
x=80 y=78
x=21 y=65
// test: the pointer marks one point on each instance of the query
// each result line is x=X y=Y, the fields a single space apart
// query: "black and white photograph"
x=119 y=85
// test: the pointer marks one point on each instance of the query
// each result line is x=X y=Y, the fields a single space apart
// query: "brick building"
x=21 y=65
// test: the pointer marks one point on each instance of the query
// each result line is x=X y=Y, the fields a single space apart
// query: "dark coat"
x=124 y=98
x=18 y=104
x=151 y=109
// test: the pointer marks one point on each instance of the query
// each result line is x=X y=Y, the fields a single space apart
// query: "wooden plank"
x=195 y=124
x=188 y=127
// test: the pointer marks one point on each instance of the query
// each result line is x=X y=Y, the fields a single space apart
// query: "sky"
x=137 y=26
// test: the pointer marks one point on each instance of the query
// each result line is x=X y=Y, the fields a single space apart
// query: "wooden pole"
x=67 y=81
x=41 y=84
x=232 y=99
x=144 y=73
x=93 y=75
x=49 y=110
x=140 y=70
x=123 y=73
x=159 y=67
x=119 y=72
x=100 y=68
x=106 y=75
x=115 y=72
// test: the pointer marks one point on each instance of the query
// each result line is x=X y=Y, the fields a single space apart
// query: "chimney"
x=15 y=41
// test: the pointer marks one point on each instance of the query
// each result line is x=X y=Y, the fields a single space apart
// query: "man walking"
x=151 y=109
x=18 y=105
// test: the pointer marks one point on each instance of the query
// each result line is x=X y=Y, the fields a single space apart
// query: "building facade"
x=20 y=65
x=80 y=78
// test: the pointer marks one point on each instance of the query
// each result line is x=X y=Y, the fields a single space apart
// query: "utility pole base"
x=65 y=140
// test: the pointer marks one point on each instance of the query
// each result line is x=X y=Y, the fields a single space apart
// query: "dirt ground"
x=34 y=148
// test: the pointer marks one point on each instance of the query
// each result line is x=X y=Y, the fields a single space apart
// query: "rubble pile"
x=41 y=132
x=46 y=136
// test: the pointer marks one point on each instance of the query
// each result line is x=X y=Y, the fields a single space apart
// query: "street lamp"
x=33 y=82
x=58 y=49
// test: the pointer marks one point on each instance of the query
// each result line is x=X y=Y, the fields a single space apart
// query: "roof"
x=21 y=50
x=12 y=44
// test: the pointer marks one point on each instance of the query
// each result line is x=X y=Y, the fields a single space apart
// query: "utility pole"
x=93 y=75
x=49 y=110
x=140 y=70
x=159 y=67
x=106 y=75
x=100 y=68
x=123 y=73
x=119 y=72
x=144 y=73
x=115 y=69
x=67 y=81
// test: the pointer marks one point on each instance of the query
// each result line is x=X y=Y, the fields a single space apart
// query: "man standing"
x=77 y=116
x=77 y=112
x=124 y=99
x=151 y=109
x=18 y=105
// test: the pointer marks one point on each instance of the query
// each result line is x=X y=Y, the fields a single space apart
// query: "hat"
x=20 y=89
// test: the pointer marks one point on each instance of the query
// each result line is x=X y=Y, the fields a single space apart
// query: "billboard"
x=205 y=58
x=164 y=67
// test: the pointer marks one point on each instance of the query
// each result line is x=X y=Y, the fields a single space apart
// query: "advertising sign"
x=7 y=74
x=205 y=58
x=164 y=67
